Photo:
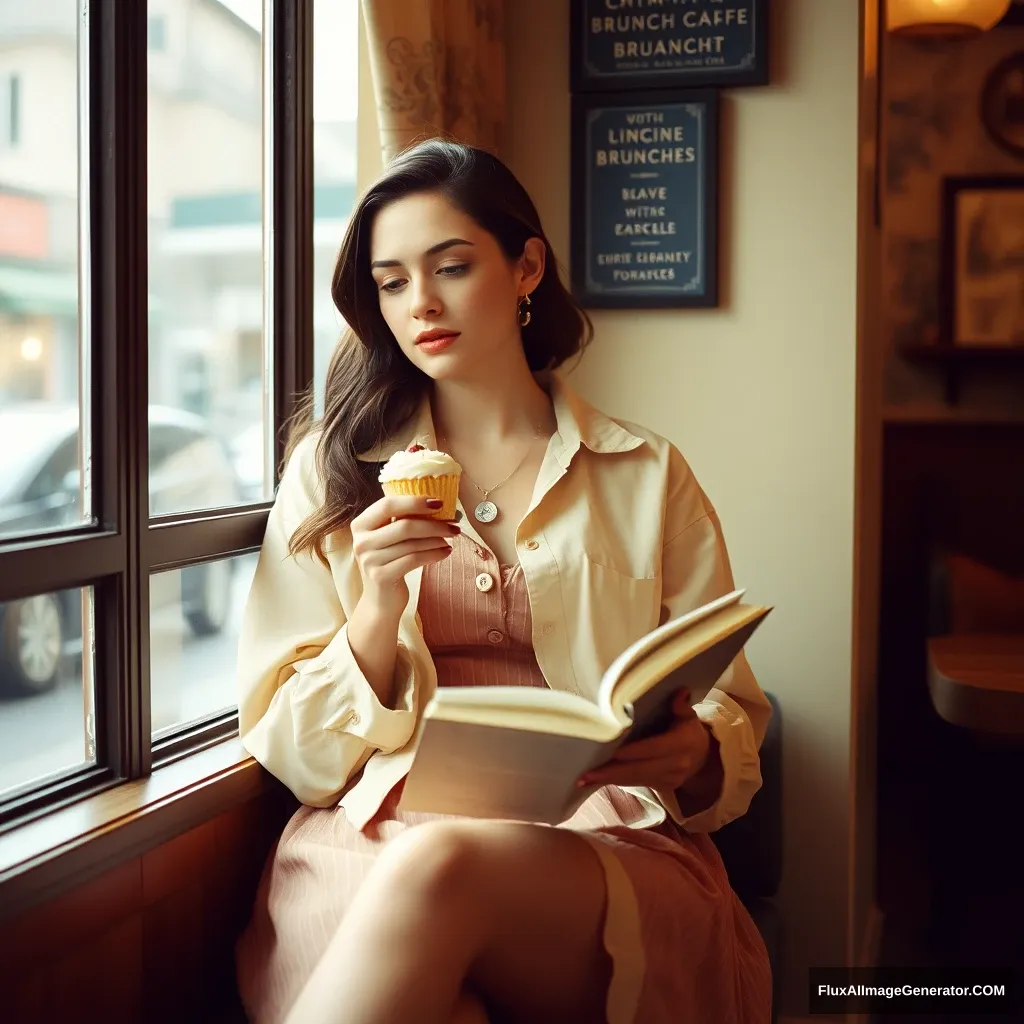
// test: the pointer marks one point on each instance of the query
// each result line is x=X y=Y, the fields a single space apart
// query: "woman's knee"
x=437 y=861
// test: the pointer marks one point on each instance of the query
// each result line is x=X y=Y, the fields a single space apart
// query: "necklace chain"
x=487 y=511
x=490 y=490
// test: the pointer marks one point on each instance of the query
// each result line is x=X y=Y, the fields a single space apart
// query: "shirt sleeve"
x=695 y=570
x=306 y=711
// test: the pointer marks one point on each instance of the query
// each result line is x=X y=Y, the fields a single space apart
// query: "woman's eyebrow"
x=448 y=243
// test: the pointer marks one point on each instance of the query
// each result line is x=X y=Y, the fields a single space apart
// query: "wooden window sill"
x=58 y=852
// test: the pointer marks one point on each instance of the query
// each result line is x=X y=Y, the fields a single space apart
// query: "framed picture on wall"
x=982 y=294
x=667 y=44
x=644 y=199
x=1002 y=105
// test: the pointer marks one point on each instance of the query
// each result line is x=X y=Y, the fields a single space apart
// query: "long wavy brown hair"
x=372 y=388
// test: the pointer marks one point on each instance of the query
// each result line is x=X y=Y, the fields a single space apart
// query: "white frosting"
x=405 y=465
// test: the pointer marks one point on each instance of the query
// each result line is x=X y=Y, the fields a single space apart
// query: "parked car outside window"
x=40 y=492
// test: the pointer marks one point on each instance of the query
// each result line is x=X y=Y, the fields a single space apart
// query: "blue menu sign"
x=659 y=44
x=644 y=217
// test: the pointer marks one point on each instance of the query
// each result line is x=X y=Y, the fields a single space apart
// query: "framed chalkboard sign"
x=663 y=44
x=644 y=199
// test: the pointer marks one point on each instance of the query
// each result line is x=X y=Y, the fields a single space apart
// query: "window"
x=156 y=31
x=210 y=354
x=335 y=95
x=45 y=466
x=42 y=734
x=147 y=396
x=10 y=111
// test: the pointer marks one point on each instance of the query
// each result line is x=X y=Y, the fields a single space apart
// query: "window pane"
x=335 y=99
x=195 y=615
x=46 y=706
x=41 y=484
x=208 y=371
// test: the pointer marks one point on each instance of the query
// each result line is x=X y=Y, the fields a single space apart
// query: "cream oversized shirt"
x=618 y=537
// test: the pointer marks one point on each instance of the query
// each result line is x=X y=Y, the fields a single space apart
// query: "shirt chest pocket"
x=615 y=609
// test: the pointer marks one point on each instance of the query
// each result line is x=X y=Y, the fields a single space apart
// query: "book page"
x=522 y=707
x=651 y=711
x=656 y=639
x=694 y=660
x=490 y=772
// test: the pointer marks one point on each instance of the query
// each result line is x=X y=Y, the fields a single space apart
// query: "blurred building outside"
x=206 y=350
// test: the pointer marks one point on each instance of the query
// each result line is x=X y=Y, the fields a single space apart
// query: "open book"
x=517 y=751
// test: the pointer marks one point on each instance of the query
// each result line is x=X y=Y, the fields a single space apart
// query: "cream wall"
x=759 y=395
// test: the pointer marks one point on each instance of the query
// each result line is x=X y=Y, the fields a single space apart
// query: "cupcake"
x=419 y=470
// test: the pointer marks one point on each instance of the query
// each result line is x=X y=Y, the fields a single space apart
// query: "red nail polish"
x=435 y=503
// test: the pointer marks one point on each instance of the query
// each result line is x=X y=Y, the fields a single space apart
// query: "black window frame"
x=118 y=555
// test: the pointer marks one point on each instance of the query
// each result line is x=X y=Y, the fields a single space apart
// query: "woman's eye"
x=391 y=286
x=454 y=269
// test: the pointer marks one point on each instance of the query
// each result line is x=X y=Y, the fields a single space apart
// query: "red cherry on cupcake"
x=415 y=448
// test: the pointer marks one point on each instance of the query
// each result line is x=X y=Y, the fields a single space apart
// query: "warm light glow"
x=31 y=349
x=944 y=17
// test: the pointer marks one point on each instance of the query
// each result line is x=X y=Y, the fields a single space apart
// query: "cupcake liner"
x=444 y=487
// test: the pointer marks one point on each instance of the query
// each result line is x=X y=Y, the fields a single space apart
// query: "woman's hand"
x=683 y=759
x=392 y=537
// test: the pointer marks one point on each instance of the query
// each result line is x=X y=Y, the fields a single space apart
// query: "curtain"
x=438 y=69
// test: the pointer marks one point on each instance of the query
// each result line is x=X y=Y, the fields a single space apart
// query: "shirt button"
x=495 y=636
x=353 y=719
x=484 y=582
x=547 y=629
x=532 y=545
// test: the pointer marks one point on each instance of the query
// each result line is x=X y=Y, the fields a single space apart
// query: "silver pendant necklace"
x=486 y=511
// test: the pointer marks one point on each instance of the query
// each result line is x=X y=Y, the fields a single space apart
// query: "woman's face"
x=446 y=288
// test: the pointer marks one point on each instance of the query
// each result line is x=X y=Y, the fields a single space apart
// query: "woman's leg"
x=516 y=910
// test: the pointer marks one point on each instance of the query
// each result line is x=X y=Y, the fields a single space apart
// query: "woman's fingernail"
x=435 y=503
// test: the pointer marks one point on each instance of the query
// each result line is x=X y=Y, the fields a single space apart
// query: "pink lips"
x=436 y=341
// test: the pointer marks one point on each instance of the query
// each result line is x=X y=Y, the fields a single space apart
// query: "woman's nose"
x=425 y=301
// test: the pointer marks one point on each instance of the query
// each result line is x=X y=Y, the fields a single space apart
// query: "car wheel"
x=33 y=643
x=209 y=613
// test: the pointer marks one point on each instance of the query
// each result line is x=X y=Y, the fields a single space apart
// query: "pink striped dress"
x=683 y=947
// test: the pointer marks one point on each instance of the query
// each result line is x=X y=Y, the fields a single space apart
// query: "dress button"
x=353 y=719
x=495 y=636
x=547 y=629
x=484 y=582
x=532 y=545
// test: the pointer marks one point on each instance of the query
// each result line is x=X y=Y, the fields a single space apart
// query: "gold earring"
x=524 y=311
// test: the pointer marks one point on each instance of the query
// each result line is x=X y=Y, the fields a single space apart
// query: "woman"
x=362 y=605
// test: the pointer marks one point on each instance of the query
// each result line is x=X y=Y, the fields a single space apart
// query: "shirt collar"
x=577 y=421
